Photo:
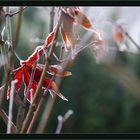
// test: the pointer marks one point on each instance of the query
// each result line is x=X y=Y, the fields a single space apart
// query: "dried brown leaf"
x=118 y=36
x=68 y=29
x=83 y=20
x=54 y=69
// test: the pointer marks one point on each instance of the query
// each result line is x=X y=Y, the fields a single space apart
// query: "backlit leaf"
x=49 y=40
x=83 y=20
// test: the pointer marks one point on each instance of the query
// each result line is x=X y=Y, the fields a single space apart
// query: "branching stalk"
x=62 y=120
x=51 y=102
x=17 y=12
x=52 y=13
x=11 y=53
x=5 y=118
x=33 y=106
x=43 y=97
x=18 y=27
x=130 y=38
x=39 y=106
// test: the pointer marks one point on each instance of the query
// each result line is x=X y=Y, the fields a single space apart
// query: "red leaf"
x=47 y=43
x=38 y=73
x=27 y=74
x=17 y=75
x=49 y=40
x=31 y=59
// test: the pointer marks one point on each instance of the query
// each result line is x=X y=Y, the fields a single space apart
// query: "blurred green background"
x=100 y=101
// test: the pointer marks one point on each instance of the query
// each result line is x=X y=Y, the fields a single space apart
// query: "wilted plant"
x=32 y=72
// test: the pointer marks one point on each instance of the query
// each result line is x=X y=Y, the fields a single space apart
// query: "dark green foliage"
x=99 y=102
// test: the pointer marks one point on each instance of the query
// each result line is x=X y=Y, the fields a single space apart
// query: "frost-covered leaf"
x=49 y=40
x=31 y=59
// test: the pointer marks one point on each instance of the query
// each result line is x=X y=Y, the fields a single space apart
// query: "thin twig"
x=19 y=11
x=18 y=27
x=55 y=56
x=130 y=38
x=10 y=46
x=5 y=118
x=35 y=116
x=17 y=56
x=124 y=32
x=4 y=57
x=39 y=106
x=11 y=106
x=46 y=114
x=50 y=104
x=52 y=13
x=31 y=81
x=17 y=99
x=3 y=98
x=61 y=55
x=43 y=97
x=62 y=120
x=1 y=8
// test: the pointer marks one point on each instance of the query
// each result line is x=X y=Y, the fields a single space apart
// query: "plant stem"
x=132 y=40
x=50 y=104
x=129 y=37
x=3 y=54
x=46 y=114
x=5 y=118
x=43 y=97
x=33 y=106
x=3 y=98
x=11 y=52
x=0 y=20
x=52 y=13
x=20 y=11
x=39 y=106
x=18 y=27
x=62 y=120
x=11 y=106
x=35 y=115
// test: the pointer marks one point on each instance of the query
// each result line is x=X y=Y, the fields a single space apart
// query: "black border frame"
x=72 y=136
x=71 y=3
